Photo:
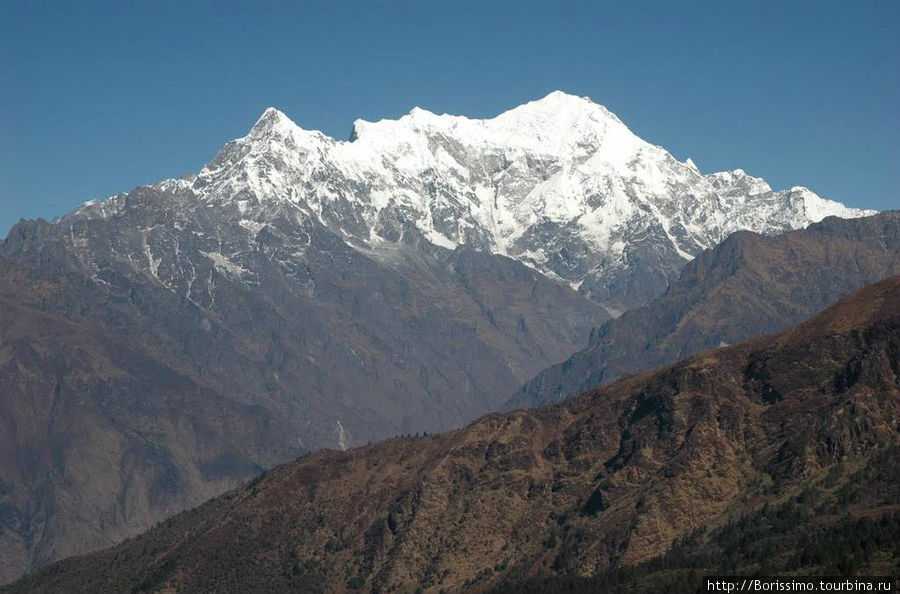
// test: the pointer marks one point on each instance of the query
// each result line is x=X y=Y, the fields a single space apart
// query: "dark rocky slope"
x=99 y=437
x=611 y=477
x=125 y=399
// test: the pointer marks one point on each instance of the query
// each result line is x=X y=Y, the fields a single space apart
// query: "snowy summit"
x=560 y=184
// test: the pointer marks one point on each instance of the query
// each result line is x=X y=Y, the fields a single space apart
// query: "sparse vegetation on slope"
x=794 y=428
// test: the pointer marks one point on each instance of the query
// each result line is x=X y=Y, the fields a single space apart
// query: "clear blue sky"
x=99 y=97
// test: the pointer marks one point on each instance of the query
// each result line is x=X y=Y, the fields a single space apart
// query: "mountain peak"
x=419 y=112
x=270 y=115
x=421 y=117
x=271 y=120
x=561 y=97
x=559 y=104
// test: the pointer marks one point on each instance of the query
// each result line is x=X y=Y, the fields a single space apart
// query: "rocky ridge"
x=749 y=284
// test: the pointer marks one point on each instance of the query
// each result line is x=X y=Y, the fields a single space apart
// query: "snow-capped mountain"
x=560 y=184
x=426 y=210
x=301 y=292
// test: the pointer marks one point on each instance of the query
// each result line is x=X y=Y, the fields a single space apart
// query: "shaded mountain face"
x=398 y=340
x=746 y=286
x=113 y=381
x=99 y=435
x=610 y=477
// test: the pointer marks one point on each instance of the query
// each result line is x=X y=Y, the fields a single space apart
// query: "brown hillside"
x=611 y=476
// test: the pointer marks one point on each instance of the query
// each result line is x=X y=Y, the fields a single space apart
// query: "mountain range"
x=560 y=184
x=804 y=421
x=299 y=292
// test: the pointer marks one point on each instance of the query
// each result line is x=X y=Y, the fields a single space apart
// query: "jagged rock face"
x=746 y=286
x=612 y=476
x=559 y=184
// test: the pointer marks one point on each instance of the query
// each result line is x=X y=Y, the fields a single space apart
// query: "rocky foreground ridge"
x=611 y=477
